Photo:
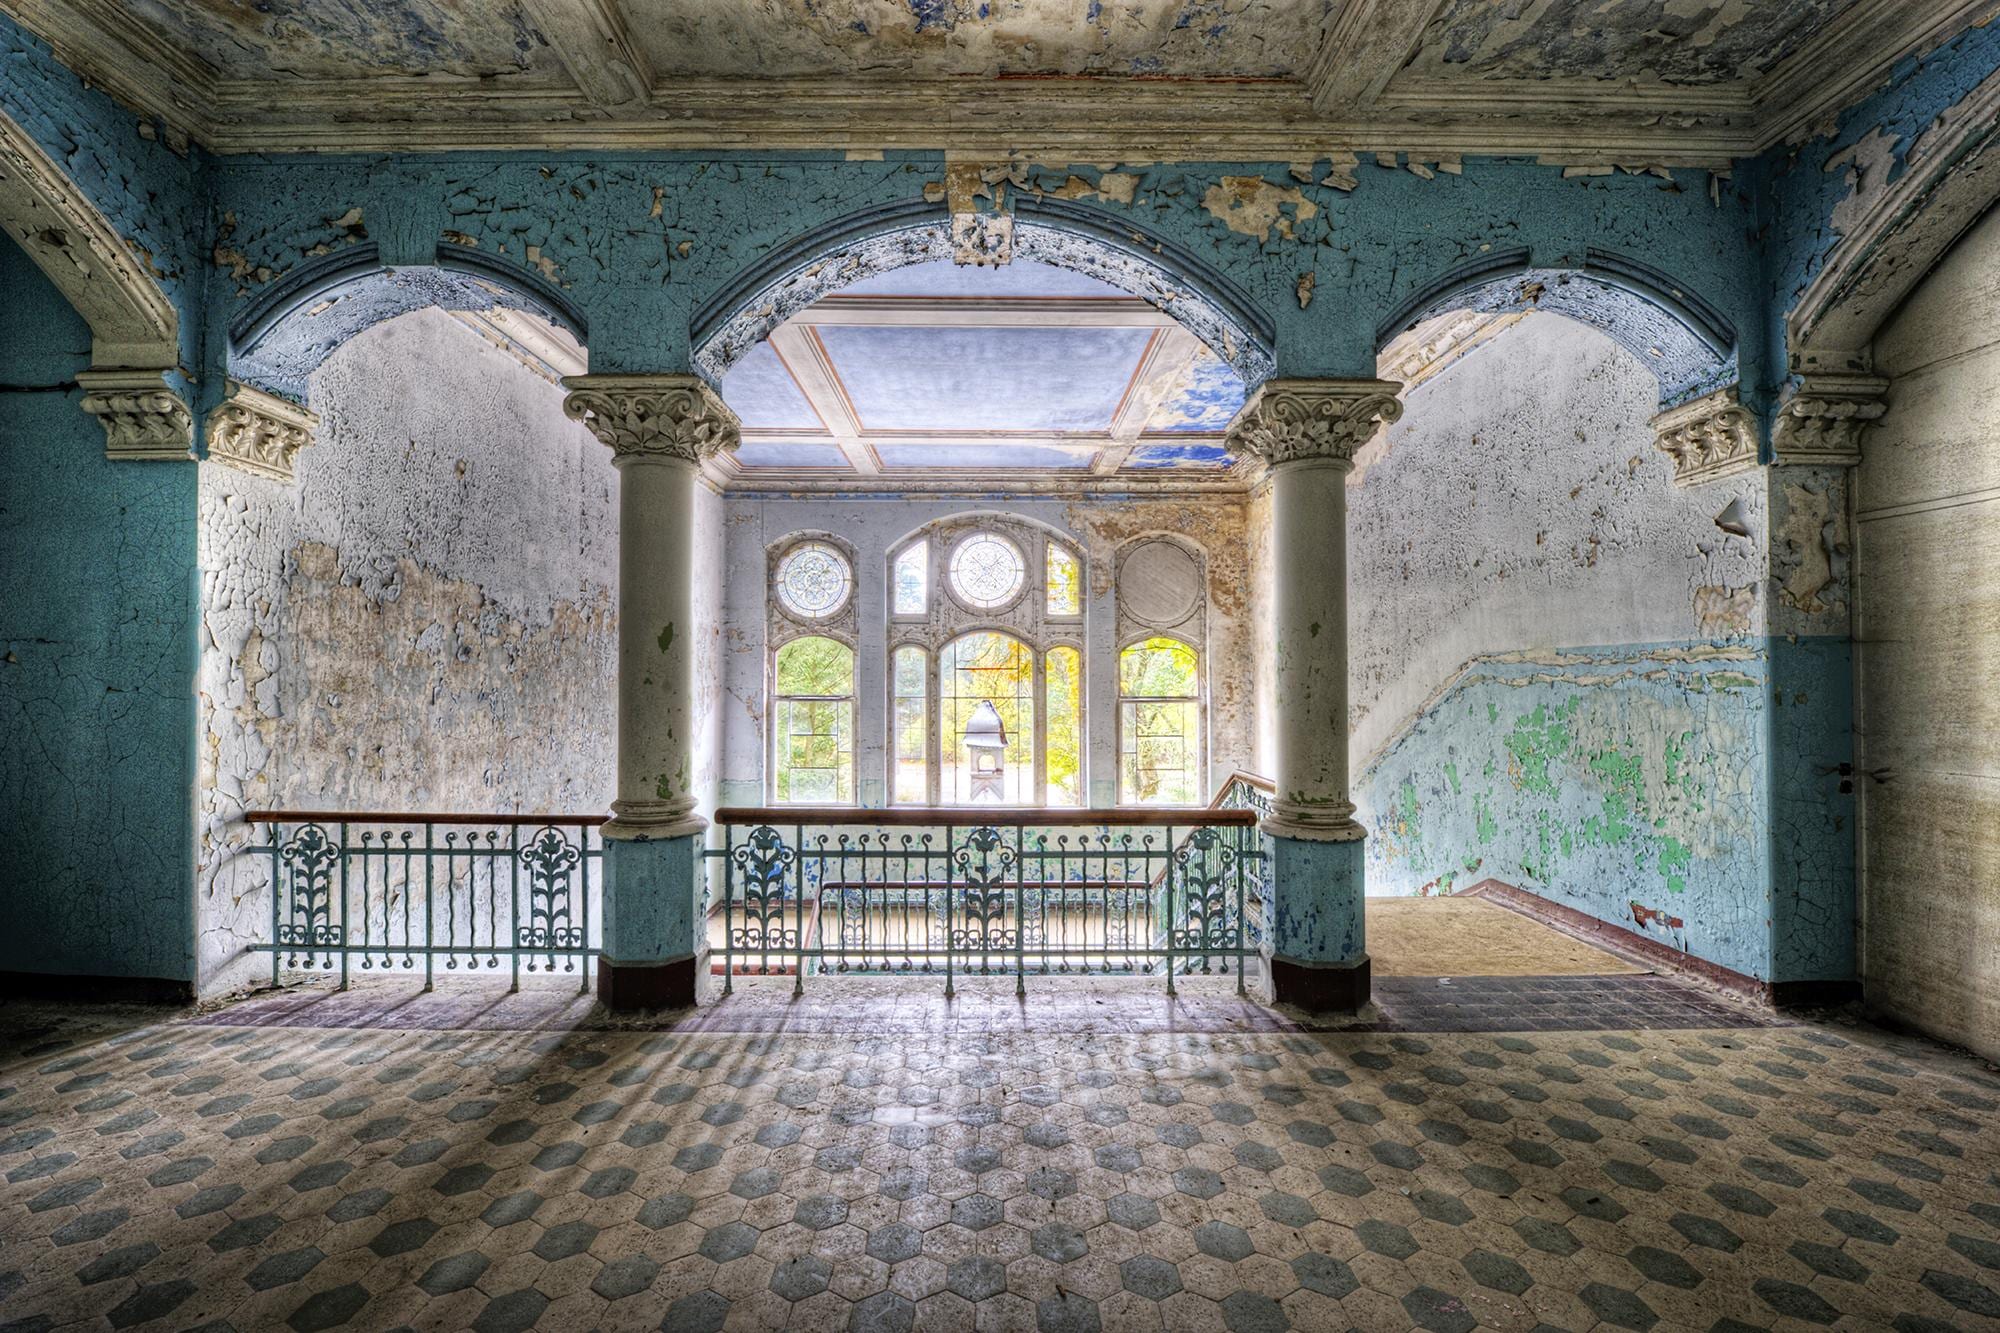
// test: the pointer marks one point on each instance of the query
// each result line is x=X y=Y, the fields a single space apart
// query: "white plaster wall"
x=1520 y=505
x=423 y=620
x=1927 y=595
x=873 y=524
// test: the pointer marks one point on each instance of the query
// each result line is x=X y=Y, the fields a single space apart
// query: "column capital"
x=142 y=417
x=671 y=416
x=1313 y=420
x=1820 y=425
x=1708 y=438
x=258 y=432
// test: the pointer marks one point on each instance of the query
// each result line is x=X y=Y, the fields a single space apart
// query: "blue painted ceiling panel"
x=1209 y=398
x=764 y=395
x=770 y=454
x=988 y=379
x=944 y=457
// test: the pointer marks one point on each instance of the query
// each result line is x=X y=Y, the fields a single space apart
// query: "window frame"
x=1198 y=700
x=777 y=701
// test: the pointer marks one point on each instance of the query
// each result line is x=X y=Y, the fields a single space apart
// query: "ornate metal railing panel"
x=415 y=892
x=957 y=892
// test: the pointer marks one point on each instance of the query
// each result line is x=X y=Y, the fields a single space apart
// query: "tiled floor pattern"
x=989 y=1006
x=183 y=1175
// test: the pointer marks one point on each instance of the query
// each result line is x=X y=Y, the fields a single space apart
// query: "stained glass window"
x=814 y=580
x=1065 y=581
x=987 y=571
x=814 y=723
x=1159 y=721
x=907 y=727
x=911 y=579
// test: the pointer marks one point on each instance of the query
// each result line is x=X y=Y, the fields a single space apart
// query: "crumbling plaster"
x=873 y=524
x=640 y=245
x=425 y=620
x=1557 y=655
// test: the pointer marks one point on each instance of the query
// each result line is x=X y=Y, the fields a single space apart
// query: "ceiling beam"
x=1363 y=47
x=955 y=312
x=1161 y=371
x=590 y=39
x=805 y=360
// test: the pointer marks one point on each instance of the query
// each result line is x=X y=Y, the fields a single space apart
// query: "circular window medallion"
x=814 y=580
x=987 y=571
x=1159 y=584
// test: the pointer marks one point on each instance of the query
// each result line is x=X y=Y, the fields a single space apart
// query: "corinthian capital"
x=1300 y=420
x=1713 y=436
x=1820 y=425
x=652 y=416
x=142 y=417
x=257 y=432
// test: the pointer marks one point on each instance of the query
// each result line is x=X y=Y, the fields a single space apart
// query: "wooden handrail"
x=409 y=817
x=965 y=816
x=1263 y=784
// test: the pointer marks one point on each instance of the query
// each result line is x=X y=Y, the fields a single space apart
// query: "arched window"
x=986 y=720
x=812 y=722
x=1159 y=723
x=986 y=664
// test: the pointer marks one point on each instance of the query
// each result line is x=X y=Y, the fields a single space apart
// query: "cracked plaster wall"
x=873 y=524
x=96 y=669
x=1558 y=658
x=424 y=621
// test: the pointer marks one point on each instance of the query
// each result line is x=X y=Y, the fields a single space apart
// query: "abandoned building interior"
x=1181 y=664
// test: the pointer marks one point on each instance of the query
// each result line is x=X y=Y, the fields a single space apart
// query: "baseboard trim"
x=1621 y=939
x=95 y=989
x=1341 y=988
x=644 y=987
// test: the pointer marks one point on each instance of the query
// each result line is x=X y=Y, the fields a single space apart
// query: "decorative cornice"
x=1313 y=420
x=665 y=416
x=1820 y=425
x=142 y=417
x=1712 y=437
x=258 y=432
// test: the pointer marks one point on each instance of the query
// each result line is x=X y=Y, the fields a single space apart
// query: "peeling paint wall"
x=1927 y=497
x=873 y=524
x=425 y=620
x=96 y=669
x=1558 y=660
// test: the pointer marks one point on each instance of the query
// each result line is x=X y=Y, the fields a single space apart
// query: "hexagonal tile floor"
x=177 y=1174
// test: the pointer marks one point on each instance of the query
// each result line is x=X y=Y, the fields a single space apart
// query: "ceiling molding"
x=1848 y=60
x=1354 y=97
x=805 y=359
x=1365 y=45
x=590 y=39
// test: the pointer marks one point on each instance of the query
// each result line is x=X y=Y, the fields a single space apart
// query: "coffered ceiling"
x=1673 y=82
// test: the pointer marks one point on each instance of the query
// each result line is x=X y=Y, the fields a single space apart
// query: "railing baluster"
x=430 y=903
x=343 y=906
x=799 y=871
x=583 y=912
x=728 y=909
x=277 y=887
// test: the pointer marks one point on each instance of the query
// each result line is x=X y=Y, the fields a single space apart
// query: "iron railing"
x=959 y=892
x=401 y=892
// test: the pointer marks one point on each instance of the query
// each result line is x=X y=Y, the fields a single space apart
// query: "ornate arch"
x=1688 y=344
x=1052 y=231
x=1950 y=178
x=134 y=328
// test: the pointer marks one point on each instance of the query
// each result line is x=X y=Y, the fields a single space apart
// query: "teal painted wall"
x=1628 y=783
x=97 y=624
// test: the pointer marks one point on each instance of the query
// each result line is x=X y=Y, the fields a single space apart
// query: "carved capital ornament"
x=1820 y=425
x=259 y=433
x=644 y=417
x=1313 y=420
x=1712 y=437
x=141 y=416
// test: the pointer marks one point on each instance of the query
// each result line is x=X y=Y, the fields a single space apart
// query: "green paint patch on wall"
x=1586 y=777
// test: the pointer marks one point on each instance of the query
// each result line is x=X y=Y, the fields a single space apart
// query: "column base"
x=635 y=987
x=1322 y=988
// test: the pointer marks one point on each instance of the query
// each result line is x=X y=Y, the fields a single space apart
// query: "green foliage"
x=815 y=666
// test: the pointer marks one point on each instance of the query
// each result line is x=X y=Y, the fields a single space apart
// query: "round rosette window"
x=987 y=571
x=814 y=580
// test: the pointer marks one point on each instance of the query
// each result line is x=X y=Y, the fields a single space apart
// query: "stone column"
x=660 y=428
x=1306 y=432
